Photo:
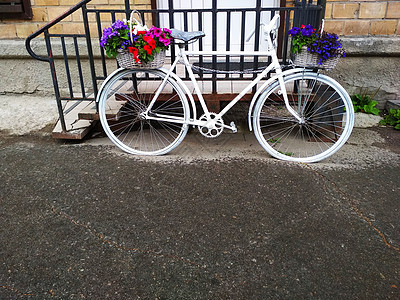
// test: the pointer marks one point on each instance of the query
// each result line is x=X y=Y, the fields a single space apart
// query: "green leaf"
x=364 y=103
x=392 y=119
x=375 y=111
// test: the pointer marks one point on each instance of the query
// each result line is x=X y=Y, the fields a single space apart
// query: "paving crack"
x=119 y=246
x=355 y=208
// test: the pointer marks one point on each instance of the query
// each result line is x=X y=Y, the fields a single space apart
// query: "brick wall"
x=46 y=10
x=351 y=18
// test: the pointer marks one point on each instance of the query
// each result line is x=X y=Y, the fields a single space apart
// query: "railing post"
x=214 y=45
x=257 y=38
x=90 y=50
x=321 y=3
x=127 y=9
x=54 y=79
x=171 y=24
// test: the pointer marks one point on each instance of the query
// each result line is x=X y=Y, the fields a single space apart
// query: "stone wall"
x=372 y=63
x=370 y=31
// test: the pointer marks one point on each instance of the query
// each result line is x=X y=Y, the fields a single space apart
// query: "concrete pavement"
x=215 y=219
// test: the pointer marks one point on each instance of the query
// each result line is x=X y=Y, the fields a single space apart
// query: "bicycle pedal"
x=233 y=127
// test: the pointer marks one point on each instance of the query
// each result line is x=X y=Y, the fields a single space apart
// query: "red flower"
x=302 y=26
x=141 y=32
x=147 y=38
x=150 y=41
x=152 y=44
x=135 y=52
x=148 y=49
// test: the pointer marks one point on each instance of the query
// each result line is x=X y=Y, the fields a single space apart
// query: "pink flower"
x=166 y=42
x=156 y=31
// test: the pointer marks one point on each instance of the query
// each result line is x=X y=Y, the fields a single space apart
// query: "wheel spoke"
x=326 y=124
x=126 y=98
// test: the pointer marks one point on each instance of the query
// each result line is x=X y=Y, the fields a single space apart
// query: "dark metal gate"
x=84 y=64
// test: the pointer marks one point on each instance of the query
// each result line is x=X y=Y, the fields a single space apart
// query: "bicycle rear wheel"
x=327 y=118
x=125 y=98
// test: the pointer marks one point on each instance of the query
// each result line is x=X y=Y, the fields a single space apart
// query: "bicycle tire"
x=127 y=95
x=327 y=118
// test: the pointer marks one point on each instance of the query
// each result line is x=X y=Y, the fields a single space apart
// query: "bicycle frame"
x=183 y=56
x=210 y=123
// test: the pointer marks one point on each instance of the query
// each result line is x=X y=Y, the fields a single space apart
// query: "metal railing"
x=83 y=46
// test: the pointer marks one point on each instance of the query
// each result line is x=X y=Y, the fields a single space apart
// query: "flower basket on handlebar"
x=135 y=45
x=126 y=60
x=315 y=49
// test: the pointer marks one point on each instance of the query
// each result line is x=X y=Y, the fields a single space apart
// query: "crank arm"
x=231 y=126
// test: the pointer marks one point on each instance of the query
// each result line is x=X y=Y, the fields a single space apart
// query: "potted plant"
x=135 y=45
x=315 y=49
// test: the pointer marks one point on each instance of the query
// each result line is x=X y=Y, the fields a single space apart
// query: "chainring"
x=215 y=130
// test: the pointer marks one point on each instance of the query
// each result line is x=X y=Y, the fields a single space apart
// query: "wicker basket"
x=125 y=60
x=307 y=59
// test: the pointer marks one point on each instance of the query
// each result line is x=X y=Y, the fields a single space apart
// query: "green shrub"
x=363 y=102
x=392 y=119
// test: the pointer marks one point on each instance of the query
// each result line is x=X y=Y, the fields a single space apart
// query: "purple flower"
x=125 y=44
x=118 y=25
x=307 y=31
x=294 y=31
x=107 y=32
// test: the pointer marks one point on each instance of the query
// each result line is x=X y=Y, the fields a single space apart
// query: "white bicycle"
x=297 y=115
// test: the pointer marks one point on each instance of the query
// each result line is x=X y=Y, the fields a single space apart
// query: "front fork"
x=285 y=96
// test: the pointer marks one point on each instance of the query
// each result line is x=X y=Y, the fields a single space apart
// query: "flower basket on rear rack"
x=314 y=49
x=134 y=45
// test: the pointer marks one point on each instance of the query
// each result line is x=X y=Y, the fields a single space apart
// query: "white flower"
x=139 y=28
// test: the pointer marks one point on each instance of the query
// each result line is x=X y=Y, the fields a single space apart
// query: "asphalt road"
x=83 y=221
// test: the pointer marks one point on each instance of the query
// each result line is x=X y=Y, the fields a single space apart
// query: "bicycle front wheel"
x=326 y=112
x=125 y=98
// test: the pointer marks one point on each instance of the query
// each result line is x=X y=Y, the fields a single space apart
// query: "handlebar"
x=272 y=26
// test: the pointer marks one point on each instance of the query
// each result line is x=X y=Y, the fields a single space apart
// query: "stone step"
x=76 y=128
x=392 y=104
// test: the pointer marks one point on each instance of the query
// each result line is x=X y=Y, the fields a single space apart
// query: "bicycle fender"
x=263 y=88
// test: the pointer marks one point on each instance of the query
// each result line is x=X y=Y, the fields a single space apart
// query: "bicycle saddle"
x=185 y=36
